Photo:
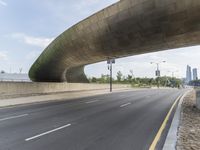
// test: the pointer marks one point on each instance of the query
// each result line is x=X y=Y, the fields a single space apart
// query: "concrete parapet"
x=22 y=88
x=197 y=97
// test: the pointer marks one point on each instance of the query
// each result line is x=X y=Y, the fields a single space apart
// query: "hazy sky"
x=28 y=26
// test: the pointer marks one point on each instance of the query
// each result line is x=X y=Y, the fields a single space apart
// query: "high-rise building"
x=194 y=72
x=188 y=74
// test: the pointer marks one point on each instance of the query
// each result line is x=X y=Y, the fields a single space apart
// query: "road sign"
x=111 y=61
x=158 y=73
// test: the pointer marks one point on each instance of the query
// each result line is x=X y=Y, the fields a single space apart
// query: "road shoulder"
x=189 y=129
x=57 y=97
x=177 y=135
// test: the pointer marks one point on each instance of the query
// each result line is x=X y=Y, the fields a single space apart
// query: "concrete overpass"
x=126 y=28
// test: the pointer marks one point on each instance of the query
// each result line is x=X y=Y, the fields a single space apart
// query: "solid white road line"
x=91 y=101
x=13 y=117
x=124 y=105
x=48 y=132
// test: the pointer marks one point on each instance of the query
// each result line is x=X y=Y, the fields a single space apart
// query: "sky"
x=27 y=27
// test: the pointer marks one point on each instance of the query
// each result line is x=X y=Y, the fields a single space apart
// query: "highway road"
x=119 y=121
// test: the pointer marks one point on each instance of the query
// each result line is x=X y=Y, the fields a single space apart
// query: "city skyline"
x=188 y=74
x=194 y=74
x=191 y=74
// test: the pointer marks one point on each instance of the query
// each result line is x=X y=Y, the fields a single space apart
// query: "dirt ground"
x=189 y=129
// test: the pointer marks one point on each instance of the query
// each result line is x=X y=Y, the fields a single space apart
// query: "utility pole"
x=173 y=73
x=110 y=62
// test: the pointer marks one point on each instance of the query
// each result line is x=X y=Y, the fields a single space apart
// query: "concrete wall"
x=197 y=97
x=16 y=88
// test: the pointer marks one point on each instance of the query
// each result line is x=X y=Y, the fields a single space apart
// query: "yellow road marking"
x=158 y=135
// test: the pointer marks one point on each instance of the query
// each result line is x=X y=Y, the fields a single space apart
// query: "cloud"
x=176 y=61
x=3 y=55
x=32 y=55
x=31 y=40
x=3 y=3
x=88 y=7
x=70 y=12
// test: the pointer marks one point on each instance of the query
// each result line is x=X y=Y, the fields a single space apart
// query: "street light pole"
x=110 y=77
x=158 y=71
x=157 y=66
x=110 y=62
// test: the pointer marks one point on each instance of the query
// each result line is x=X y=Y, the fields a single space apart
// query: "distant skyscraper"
x=188 y=74
x=194 y=72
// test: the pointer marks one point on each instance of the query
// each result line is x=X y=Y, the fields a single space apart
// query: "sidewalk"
x=58 y=96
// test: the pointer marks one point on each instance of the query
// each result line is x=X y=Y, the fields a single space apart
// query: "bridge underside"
x=126 y=28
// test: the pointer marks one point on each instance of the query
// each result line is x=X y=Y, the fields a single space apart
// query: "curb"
x=172 y=136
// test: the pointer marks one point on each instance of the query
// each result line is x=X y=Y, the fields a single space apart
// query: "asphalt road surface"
x=119 y=121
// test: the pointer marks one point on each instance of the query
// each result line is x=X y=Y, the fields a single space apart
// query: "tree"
x=119 y=76
x=131 y=71
x=151 y=81
x=94 y=80
x=129 y=78
x=104 y=79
